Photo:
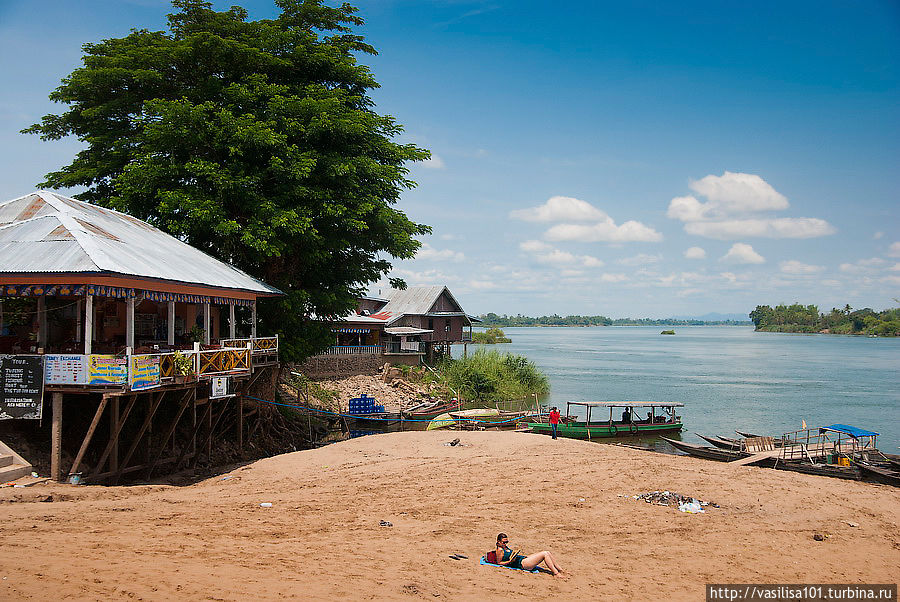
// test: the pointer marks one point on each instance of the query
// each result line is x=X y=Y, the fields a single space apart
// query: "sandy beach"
x=321 y=539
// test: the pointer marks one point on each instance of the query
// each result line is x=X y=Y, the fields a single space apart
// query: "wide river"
x=727 y=377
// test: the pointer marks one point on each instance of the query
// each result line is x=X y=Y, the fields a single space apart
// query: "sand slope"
x=321 y=540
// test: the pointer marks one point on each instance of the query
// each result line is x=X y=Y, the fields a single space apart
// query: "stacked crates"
x=365 y=404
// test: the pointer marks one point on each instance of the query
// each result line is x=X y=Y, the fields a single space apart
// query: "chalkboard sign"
x=21 y=386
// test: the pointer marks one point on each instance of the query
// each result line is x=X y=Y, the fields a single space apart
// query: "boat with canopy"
x=623 y=419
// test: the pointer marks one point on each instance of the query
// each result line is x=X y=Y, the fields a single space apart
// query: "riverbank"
x=321 y=539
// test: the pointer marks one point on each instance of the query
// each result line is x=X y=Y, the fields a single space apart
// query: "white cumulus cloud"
x=695 y=253
x=732 y=207
x=560 y=209
x=604 y=231
x=782 y=227
x=534 y=246
x=739 y=192
x=640 y=259
x=742 y=253
x=429 y=252
x=798 y=268
x=435 y=162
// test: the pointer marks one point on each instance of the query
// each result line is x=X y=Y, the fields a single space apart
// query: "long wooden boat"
x=721 y=442
x=882 y=474
x=431 y=410
x=722 y=455
x=662 y=418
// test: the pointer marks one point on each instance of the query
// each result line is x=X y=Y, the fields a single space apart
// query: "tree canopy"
x=255 y=141
x=800 y=318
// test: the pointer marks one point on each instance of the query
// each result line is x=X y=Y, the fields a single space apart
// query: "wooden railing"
x=352 y=350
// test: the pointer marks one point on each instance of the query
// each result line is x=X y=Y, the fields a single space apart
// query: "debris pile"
x=685 y=503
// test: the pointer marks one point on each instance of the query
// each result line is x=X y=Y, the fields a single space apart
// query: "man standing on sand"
x=554 y=420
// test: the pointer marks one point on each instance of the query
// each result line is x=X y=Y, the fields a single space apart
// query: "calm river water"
x=728 y=377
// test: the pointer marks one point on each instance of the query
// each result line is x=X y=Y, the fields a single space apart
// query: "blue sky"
x=626 y=159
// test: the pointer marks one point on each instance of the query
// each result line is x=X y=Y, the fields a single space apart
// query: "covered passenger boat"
x=624 y=418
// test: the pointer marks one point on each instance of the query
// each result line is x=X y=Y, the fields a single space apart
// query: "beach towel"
x=501 y=566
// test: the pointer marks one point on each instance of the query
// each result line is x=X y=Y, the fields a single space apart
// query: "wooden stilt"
x=114 y=436
x=56 y=439
x=193 y=437
x=89 y=435
x=188 y=397
x=212 y=429
x=240 y=421
x=155 y=401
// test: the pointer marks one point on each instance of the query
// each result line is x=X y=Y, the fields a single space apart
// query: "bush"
x=493 y=376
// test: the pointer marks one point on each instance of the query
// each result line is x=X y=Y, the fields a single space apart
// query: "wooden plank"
x=212 y=429
x=89 y=435
x=772 y=453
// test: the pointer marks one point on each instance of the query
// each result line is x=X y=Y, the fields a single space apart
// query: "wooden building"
x=123 y=320
x=404 y=325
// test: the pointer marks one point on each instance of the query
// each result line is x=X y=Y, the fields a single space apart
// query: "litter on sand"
x=685 y=503
x=385 y=523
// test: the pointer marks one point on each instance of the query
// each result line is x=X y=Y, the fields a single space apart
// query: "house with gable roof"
x=404 y=325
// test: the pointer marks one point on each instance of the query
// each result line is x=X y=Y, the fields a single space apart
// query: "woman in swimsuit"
x=506 y=557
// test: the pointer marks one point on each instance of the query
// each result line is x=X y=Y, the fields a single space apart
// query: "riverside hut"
x=109 y=306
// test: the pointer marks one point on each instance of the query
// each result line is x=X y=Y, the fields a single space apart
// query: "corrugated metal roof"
x=46 y=232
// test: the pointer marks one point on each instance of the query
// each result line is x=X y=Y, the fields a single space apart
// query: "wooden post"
x=79 y=319
x=240 y=418
x=56 y=439
x=129 y=322
x=171 y=325
x=206 y=333
x=42 y=321
x=114 y=434
x=232 y=325
x=253 y=320
x=88 y=323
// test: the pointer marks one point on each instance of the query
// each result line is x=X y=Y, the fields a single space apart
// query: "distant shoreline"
x=661 y=323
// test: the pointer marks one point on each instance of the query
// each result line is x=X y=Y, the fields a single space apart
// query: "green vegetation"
x=667 y=332
x=492 y=319
x=806 y=318
x=492 y=376
x=254 y=141
x=490 y=336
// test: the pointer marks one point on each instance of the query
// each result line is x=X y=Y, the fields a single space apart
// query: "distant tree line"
x=806 y=318
x=492 y=319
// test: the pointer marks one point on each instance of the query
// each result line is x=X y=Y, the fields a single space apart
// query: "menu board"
x=143 y=373
x=21 y=386
x=65 y=369
x=107 y=370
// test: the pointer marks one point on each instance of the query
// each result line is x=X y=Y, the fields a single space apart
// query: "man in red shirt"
x=554 y=420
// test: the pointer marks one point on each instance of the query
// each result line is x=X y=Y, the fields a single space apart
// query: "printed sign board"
x=65 y=369
x=143 y=373
x=107 y=370
x=220 y=386
x=21 y=386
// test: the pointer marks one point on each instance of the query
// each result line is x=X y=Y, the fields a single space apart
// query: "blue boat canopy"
x=849 y=430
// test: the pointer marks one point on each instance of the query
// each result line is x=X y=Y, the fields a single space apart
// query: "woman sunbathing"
x=506 y=556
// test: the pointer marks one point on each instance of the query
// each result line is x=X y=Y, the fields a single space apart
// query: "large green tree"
x=255 y=141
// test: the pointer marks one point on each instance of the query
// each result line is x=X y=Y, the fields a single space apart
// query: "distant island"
x=491 y=336
x=806 y=318
x=492 y=319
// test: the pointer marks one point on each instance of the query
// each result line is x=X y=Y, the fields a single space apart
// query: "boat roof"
x=628 y=404
x=849 y=430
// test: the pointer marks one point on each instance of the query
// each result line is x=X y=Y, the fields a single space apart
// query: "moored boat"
x=721 y=442
x=661 y=417
x=462 y=417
